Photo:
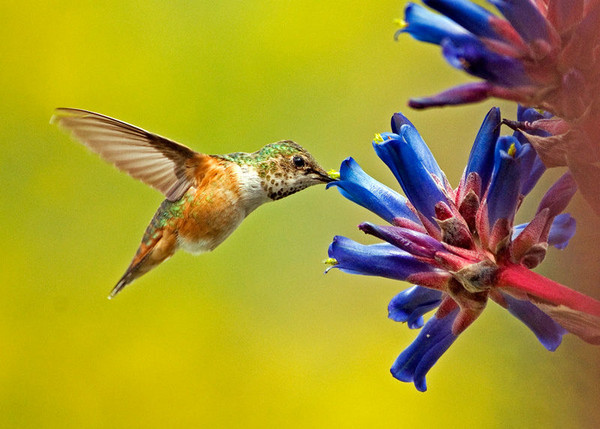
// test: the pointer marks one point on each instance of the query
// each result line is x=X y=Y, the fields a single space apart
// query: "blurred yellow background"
x=253 y=334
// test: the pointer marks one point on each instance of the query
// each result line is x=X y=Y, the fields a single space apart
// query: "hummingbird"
x=207 y=196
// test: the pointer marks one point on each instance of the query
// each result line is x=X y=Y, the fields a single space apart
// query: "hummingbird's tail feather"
x=130 y=275
x=149 y=255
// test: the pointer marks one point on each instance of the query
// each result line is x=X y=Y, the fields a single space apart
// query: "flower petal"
x=504 y=190
x=431 y=343
x=411 y=304
x=474 y=58
x=411 y=165
x=525 y=17
x=473 y=92
x=414 y=242
x=561 y=231
x=481 y=158
x=536 y=171
x=472 y=17
x=527 y=161
x=547 y=331
x=529 y=114
x=362 y=189
x=409 y=133
x=383 y=260
x=426 y=26
x=559 y=195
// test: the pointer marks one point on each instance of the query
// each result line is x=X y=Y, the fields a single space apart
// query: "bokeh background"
x=253 y=334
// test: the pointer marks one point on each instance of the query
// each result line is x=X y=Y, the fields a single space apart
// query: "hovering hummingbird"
x=207 y=196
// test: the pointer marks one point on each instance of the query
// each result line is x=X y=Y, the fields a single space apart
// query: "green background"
x=253 y=334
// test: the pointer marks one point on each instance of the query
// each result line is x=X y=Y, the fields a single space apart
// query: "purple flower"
x=542 y=54
x=459 y=245
x=418 y=358
x=411 y=304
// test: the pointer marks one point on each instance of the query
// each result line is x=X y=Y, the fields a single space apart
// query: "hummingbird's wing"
x=159 y=162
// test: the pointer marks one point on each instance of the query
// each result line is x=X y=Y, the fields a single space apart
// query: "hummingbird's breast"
x=216 y=206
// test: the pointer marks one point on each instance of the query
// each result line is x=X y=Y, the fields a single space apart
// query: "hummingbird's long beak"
x=326 y=177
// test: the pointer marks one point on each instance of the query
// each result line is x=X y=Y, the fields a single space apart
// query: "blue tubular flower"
x=537 y=167
x=504 y=191
x=362 y=189
x=430 y=27
x=413 y=242
x=431 y=343
x=559 y=195
x=535 y=173
x=481 y=158
x=545 y=329
x=527 y=160
x=470 y=254
x=411 y=304
x=383 y=260
x=562 y=230
x=468 y=15
x=414 y=168
x=530 y=114
x=524 y=17
x=403 y=127
x=470 y=56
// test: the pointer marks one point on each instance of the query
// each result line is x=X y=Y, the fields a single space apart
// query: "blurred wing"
x=156 y=161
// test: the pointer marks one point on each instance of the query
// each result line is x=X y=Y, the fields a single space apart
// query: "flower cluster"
x=459 y=246
x=540 y=53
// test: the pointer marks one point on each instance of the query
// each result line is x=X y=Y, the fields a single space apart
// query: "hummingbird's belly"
x=193 y=247
x=197 y=239
x=209 y=220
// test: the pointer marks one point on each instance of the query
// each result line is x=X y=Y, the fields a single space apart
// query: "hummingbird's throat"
x=278 y=187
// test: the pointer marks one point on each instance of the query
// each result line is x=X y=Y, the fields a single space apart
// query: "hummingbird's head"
x=286 y=167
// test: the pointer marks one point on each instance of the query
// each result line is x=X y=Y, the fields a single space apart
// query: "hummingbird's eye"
x=298 y=161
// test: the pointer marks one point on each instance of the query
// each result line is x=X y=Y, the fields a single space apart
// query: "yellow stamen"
x=333 y=174
x=512 y=150
x=378 y=139
x=330 y=261
x=401 y=23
